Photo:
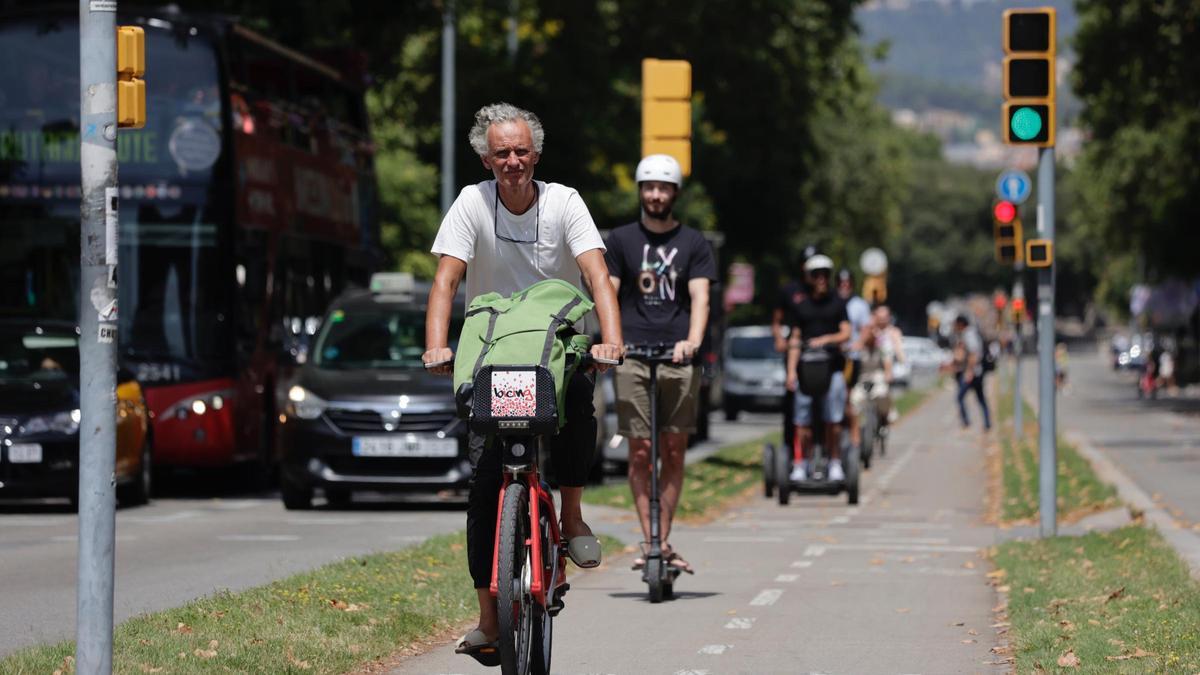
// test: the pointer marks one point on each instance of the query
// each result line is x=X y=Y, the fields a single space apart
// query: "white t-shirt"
x=559 y=229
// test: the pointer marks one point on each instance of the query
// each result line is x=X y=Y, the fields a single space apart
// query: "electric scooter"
x=816 y=371
x=658 y=573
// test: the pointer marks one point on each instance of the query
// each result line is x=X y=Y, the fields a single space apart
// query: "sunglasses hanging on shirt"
x=537 y=219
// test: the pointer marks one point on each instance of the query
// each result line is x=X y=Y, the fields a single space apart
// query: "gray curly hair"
x=498 y=113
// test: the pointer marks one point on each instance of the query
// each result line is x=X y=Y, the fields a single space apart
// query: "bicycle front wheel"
x=513 y=597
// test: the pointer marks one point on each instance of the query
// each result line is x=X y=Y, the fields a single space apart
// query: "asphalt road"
x=189 y=544
x=894 y=585
x=1155 y=443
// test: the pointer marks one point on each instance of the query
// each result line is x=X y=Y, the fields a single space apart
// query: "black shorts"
x=852 y=372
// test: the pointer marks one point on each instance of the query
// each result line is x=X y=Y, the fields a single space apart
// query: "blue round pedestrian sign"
x=1014 y=186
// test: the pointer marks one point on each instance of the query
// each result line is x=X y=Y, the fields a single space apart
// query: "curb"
x=1186 y=544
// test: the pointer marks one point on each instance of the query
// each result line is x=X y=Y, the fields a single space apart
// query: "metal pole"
x=1018 y=408
x=98 y=332
x=447 y=105
x=1047 y=428
x=511 y=43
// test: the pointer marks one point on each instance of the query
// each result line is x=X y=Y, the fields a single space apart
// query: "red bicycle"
x=529 y=565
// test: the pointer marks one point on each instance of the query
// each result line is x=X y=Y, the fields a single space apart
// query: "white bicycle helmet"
x=660 y=167
x=819 y=262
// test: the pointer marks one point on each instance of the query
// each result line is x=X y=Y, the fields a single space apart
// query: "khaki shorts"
x=678 y=399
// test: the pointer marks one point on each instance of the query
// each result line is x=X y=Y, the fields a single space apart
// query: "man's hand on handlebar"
x=685 y=350
x=792 y=381
x=443 y=357
x=605 y=355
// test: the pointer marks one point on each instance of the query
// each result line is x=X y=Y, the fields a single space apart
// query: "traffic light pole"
x=1018 y=345
x=98 y=333
x=1047 y=425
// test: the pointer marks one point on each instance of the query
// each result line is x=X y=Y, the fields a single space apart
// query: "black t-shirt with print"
x=791 y=294
x=654 y=270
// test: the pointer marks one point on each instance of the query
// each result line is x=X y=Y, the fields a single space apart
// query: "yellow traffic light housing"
x=667 y=110
x=131 y=67
x=1039 y=253
x=1028 y=113
x=874 y=289
x=1008 y=234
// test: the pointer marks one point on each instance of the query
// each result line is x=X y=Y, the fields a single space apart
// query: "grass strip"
x=330 y=620
x=708 y=485
x=1079 y=491
x=1115 y=602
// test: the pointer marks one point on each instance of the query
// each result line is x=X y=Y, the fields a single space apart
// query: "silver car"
x=754 y=373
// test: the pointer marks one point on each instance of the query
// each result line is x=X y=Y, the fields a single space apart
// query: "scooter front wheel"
x=783 y=471
x=654 y=579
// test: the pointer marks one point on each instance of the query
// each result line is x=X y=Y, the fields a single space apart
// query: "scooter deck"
x=828 y=486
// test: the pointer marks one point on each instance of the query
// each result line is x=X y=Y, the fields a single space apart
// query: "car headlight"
x=305 y=404
x=66 y=422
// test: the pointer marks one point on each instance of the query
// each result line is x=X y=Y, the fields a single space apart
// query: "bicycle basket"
x=514 y=400
x=816 y=368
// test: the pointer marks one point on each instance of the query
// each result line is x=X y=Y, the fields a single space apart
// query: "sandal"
x=584 y=551
x=675 y=560
x=640 y=561
x=476 y=645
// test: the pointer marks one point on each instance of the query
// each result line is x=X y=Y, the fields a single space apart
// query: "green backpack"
x=513 y=353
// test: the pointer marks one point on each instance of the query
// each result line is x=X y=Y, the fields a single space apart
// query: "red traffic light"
x=1004 y=212
x=1018 y=305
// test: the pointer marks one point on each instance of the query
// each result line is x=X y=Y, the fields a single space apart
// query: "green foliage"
x=1139 y=77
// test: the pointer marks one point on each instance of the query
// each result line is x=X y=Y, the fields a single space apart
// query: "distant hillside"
x=947 y=53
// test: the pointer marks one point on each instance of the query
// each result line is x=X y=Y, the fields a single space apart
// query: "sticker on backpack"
x=514 y=393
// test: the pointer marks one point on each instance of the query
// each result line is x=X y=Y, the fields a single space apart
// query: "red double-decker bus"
x=246 y=203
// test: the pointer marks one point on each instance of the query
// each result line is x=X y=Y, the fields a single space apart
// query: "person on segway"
x=504 y=235
x=661 y=270
x=791 y=294
x=858 y=311
x=820 y=323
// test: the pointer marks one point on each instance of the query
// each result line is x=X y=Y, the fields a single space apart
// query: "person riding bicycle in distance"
x=661 y=270
x=504 y=235
x=820 y=323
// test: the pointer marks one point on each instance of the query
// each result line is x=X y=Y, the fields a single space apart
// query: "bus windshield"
x=171 y=274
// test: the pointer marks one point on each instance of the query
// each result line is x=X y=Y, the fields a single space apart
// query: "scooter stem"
x=655 y=534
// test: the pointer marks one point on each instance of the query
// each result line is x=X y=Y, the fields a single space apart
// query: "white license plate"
x=404 y=445
x=25 y=453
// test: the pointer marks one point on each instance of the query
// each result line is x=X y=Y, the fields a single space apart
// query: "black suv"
x=362 y=413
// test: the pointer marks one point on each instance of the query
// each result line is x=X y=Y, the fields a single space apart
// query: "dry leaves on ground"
x=1138 y=653
x=1069 y=660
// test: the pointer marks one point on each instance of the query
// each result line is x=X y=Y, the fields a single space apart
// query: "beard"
x=659 y=212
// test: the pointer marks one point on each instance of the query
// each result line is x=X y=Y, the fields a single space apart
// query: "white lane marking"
x=787 y=578
x=691 y=672
x=71 y=538
x=914 y=526
x=740 y=623
x=801 y=564
x=814 y=551
x=840 y=520
x=165 y=518
x=744 y=540
x=258 y=537
x=902 y=547
x=767 y=597
x=909 y=540
x=714 y=650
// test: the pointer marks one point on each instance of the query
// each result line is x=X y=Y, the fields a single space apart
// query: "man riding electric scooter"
x=662 y=271
x=820 y=323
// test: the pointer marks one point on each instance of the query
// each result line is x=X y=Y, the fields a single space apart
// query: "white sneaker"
x=835 y=470
x=799 y=472
x=893 y=415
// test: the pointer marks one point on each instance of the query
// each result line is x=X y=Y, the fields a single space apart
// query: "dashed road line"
x=801 y=564
x=714 y=650
x=814 y=551
x=259 y=537
x=767 y=597
x=908 y=540
x=787 y=578
x=928 y=548
x=740 y=623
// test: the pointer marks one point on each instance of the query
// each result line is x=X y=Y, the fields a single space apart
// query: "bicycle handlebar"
x=656 y=352
x=586 y=361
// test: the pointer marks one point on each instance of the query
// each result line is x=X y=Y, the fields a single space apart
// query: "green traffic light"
x=1026 y=124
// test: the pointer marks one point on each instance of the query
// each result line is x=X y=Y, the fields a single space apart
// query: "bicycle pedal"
x=556 y=602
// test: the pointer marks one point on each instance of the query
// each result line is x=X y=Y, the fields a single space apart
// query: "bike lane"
x=895 y=585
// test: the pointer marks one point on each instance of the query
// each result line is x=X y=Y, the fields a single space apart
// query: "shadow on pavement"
x=679 y=595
